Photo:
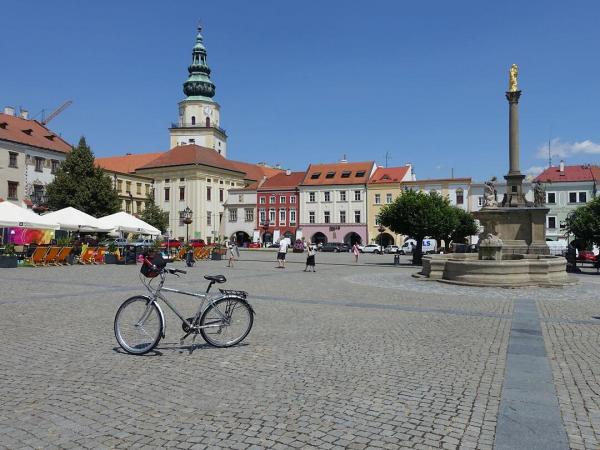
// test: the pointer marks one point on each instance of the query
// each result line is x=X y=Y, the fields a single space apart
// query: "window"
x=292 y=216
x=38 y=194
x=208 y=180
x=232 y=184
x=54 y=167
x=193 y=120
x=221 y=194
x=343 y=196
x=263 y=215
x=356 y=216
x=327 y=196
x=360 y=174
x=327 y=217
x=138 y=205
x=182 y=179
x=191 y=141
x=208 y=193
x=311 y=217
x=315 y=176
x=39 y=164
x=551 y=222
x=209 y=218
x=119 y=185
x=330 y=175
x=342 y=216
x=311 y=196
x=377 y=199
x=249 y=214
x=282 y=199
x=147 y=189
x=262 y=200
x=128 y=187
x=480 y=201
x=272 y=199
x=272 y=215
x=282 y=216
x=577 y=197
x=572 y=197
x=551 y=197
x=138 y=187
x=357 y=195
x=181 y=193
x=128 y=206
x=460 y=197
x=167 y=180
x=582 y=197
x=377 y=220
x=220 y=181
x=233 y=214
x=388 y=198
x=167 y=194
x=292 y=199
x=346 y=174
x=241 y=198
x=12 y=159
x=12 y=190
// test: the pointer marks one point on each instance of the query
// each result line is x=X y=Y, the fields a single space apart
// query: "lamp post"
x=381 y=229
x=187 y=219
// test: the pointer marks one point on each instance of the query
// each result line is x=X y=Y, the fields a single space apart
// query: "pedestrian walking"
x=283 y=246
x=310 y=258
x=356 y=251
x=233 y=252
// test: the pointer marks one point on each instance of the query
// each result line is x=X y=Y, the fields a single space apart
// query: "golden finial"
x=512 y=78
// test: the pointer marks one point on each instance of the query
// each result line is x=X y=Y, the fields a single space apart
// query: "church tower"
x=199 y=115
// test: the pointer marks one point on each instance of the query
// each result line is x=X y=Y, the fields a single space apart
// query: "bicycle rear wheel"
x=229 y=321
x=138 y=325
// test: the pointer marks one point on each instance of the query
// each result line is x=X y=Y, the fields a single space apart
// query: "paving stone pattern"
x=352 y=356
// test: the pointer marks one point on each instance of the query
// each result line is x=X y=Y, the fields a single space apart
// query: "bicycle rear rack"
x=241 y=294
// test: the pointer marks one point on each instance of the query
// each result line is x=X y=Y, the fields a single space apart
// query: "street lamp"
x=187 y=219
x=381 y=229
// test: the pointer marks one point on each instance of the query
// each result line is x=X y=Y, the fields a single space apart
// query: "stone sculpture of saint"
x=490 y=194
x=512 y=78
x=539 y=195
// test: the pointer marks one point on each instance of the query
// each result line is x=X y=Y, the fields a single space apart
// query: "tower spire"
x=199 y=86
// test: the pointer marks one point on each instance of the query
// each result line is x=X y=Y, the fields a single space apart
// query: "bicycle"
x=140 y=322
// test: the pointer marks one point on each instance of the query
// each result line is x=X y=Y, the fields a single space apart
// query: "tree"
x=465 y=227
x=155 y=216
x=584 y=222
x=419 y=215
x=81 y=184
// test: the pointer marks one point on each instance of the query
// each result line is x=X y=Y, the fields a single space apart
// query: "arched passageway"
x=352 y=238
x=384 y=239
x=241 y=237
x=319 y=238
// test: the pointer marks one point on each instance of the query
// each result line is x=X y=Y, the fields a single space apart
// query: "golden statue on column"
x=512 y=78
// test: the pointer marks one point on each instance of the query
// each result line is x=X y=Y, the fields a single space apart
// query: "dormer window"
x=346 y=174
x=3 y=125
x=28 y=131
x=315 y=176
x=330 y=175
x=360 y=174
x=50 y=137
x=385 y=177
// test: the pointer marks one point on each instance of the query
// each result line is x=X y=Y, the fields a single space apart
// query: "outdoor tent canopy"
x=122 y=221
x=12 y=215
x=71 y=219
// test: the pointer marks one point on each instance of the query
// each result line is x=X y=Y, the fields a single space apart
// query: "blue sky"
x=310 y=81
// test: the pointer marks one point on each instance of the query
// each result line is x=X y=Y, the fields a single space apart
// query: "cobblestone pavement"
x=352 y=356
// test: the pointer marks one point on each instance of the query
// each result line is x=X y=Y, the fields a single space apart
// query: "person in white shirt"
x=283 y=246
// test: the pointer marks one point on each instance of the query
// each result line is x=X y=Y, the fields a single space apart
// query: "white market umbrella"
x=12 y=215
x=71 y=219
x=124 y=222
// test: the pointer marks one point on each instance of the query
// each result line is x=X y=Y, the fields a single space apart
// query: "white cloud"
x=562 y=149
x=534 y=170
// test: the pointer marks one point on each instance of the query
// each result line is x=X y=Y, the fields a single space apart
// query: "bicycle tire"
x=128 y=316
x=228 y=306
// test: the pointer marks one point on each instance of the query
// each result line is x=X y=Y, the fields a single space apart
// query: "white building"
x=240 y=215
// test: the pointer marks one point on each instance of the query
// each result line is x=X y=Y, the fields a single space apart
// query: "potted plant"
x=111 y=254
x=218 y=251
x=8 y=260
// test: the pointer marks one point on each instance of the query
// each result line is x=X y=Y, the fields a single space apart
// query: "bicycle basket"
x=148 y=270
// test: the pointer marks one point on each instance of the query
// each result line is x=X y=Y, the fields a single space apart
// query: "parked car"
x=586 y=256
x=171 y=243
x=372 y=248
x=197 y=243
x=428 y=246
x=273 y=245
x=119 y=242
x=391 y=249
x=335 y=247
x=254 y=245
x=144 y=243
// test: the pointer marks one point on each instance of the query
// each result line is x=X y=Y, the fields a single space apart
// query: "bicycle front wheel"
x=227 y=322
x=138 y=325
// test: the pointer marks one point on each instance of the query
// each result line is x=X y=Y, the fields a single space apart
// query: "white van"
x=429 y=246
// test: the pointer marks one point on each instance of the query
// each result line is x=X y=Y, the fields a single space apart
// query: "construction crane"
x=56 y=112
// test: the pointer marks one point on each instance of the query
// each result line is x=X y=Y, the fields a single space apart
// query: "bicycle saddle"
x=216 y=278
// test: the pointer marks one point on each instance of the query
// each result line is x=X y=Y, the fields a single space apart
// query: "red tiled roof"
x=571 y=173
x=255 y=171
x=439 y=181
x=337 y=173
x=283 y=181
x=126 y=163
x=31 y=132
x=389 y=174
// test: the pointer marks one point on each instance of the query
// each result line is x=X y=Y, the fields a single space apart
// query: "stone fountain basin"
x=514 y=270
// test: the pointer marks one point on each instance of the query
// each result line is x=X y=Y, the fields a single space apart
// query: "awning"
x=12 y=215
x=71 y=219
x=122 y=221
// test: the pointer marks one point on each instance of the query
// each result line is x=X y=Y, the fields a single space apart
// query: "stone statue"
x=512 y=78
x=490 y=194
x=539 y=194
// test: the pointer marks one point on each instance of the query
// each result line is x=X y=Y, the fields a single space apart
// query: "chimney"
x=288 y=172
x=9 y=110
x=24 y=114
x=343 y=160
x=561 y=167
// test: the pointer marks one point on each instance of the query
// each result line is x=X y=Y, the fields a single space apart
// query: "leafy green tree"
x=465 y=227
x=584 y=222
x=419 y=215
x=81 y=184
x=155 y=216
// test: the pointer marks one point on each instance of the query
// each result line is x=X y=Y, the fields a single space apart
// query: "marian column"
x=514 y=179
